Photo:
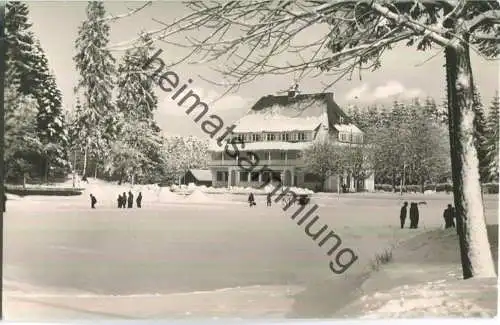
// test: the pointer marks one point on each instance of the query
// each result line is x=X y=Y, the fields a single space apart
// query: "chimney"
x=293 y=91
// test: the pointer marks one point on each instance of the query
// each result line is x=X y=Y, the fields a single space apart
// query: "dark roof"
x=301 y=105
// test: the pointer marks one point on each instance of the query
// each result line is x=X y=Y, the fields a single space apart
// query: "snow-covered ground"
x=199 y=254
x=408 y=287
x=233 y=189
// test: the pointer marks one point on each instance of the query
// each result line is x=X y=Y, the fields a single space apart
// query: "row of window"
x=266 y=155
x=276 y=136
x=249 y=176
x=349 y=137
x=223 y=176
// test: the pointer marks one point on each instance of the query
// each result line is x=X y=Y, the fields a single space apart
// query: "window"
x=284 y=136
x=293 y=137
x=301 y=136
x=343 y=137
x=270 y=137
x=222 y=176
x=283 y=155
x=244 y=176
x=266 y=177
x=255 y=137
x=275 y=155
x=254 y=177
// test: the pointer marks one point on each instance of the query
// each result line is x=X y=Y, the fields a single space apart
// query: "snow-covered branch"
x=490 y=17
x=112 y=18
x=434 y=34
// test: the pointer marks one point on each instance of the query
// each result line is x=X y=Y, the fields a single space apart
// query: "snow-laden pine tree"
x=22 y=146
x=480 y=135
x=51 y=128
x=136 y=104
x=492 y=138
x=28 y=69
x=96 y=66
x=20 y=47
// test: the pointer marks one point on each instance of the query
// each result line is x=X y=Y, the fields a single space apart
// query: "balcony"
x=234 y=163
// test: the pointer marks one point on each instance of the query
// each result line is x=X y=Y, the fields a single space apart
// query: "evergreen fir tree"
x=28 y=70
x=136 y=103
x=20 y=47
x=22 y=146
x=95 y=64
x=136 y=99
x=480 y=135
x=492 y=138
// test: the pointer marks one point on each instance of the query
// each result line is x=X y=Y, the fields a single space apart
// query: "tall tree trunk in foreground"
x=474 y=246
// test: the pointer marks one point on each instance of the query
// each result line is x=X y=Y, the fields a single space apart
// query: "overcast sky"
x=404 y=73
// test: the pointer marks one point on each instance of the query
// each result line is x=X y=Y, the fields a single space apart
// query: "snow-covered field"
x=210 y=255
x=233 y=189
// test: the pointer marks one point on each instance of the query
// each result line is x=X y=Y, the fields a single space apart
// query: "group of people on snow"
x=287 y=199
x=448 y=215
x=123 y=200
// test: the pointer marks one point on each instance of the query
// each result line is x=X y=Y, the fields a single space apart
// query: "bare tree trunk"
x=47 y=168
x=402 y=181
x=95 y=171
x=85 y=156
x=471 y=226
x=74 y=169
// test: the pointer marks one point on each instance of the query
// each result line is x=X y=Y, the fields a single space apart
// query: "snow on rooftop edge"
x=348 y=128
x=277 y=123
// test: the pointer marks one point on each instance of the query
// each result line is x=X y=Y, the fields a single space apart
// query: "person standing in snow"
x=93 y=201
x=251 y=200
x=130 y=200
x=124 y=200
x=402 y=214
x=269 y=199
x=414 y=215
x=138 y=201
x=449 y=216
x=120 y=201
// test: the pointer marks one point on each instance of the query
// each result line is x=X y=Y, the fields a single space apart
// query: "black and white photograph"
x=249 y=160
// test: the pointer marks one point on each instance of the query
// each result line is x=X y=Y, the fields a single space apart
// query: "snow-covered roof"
x=277 y=123
x=264 y=145
x=202 y=174
x=347 y=128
